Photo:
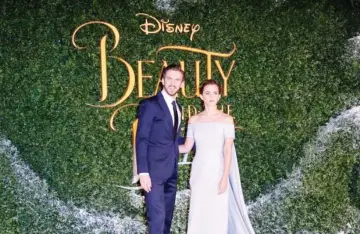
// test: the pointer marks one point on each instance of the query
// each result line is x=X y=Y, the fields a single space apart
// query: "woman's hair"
x=210 y=82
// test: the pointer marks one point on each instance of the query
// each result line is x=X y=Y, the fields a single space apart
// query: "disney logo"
x=153 y=25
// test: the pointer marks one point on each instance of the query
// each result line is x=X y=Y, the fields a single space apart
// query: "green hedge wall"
x=292 y=73
x=316 y=194
x=8 y=204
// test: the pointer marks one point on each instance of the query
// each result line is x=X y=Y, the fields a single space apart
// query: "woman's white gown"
x=211 y=213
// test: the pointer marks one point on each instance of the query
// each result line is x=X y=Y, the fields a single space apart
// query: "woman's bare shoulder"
x=193 y=119
x=226 y=118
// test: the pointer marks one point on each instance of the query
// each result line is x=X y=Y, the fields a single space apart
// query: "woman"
x=217 y=204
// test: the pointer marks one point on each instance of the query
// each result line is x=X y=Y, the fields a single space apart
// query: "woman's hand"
x=185 y=148
x=223 y=184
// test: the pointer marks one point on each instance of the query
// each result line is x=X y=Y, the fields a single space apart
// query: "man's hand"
x=145 y=182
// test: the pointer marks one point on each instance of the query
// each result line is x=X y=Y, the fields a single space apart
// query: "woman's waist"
x=208 y=153
x=208 y=159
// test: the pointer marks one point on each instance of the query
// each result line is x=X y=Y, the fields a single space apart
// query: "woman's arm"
x=227 y=156
x=227 y=163
x=185 y=148
x=189 y=141
x=228 y=145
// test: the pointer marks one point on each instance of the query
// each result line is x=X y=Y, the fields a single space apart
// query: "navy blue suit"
x=157 y=153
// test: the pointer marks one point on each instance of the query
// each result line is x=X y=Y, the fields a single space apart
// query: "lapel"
x=165 y=109
x=180 y=117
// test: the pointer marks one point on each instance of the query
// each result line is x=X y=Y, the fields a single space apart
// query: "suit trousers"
x=160 y=203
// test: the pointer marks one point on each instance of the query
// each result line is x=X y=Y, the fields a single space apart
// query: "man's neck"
x=167 y=95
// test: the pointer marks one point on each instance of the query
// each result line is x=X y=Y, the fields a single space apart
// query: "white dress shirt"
x=169 y=100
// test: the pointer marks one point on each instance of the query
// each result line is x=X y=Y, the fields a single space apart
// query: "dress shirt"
x=169 y=100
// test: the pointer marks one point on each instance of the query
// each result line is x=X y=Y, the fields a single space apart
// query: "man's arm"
x=145 y=116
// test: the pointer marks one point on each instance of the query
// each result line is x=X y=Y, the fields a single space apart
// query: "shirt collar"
x=167 y=97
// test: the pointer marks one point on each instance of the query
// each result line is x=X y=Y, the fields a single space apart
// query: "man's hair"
x=173 y=67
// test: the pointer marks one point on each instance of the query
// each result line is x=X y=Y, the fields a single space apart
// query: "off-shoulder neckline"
x=211 y=123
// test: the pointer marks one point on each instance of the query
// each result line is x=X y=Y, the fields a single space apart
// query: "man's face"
x=172 y=82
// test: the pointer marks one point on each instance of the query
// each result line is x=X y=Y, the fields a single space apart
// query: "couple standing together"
x=216 y=205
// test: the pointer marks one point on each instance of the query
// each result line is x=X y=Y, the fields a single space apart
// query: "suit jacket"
x=157 y=148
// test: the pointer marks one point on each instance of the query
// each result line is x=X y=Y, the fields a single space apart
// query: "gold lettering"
x=134 y=129
x=182 y=65
x=147 y=27
x=170 y=28
x=197 y=78
x=223 y=76
x=112 y=27
x=103 y=61
x=229 y=110
x=179 y=28
x=186 y=28
x=163 y=25
x=208 y=54
x=194 y=29
x=152 y=25
x=103 y=67
x=222 y=108
x=131 y=85
x=197 y=82
x=113 y=115
x=191 y=111
x=141 y=76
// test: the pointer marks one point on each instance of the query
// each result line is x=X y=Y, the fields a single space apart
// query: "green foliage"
x=354 y=189
x=324 y=199
x=288 y=79
x=316 y=197
x=8 y=205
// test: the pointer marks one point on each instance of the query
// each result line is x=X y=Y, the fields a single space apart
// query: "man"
x=157 y=150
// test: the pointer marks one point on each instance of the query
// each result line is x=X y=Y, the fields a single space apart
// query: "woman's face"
x=210 y=95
